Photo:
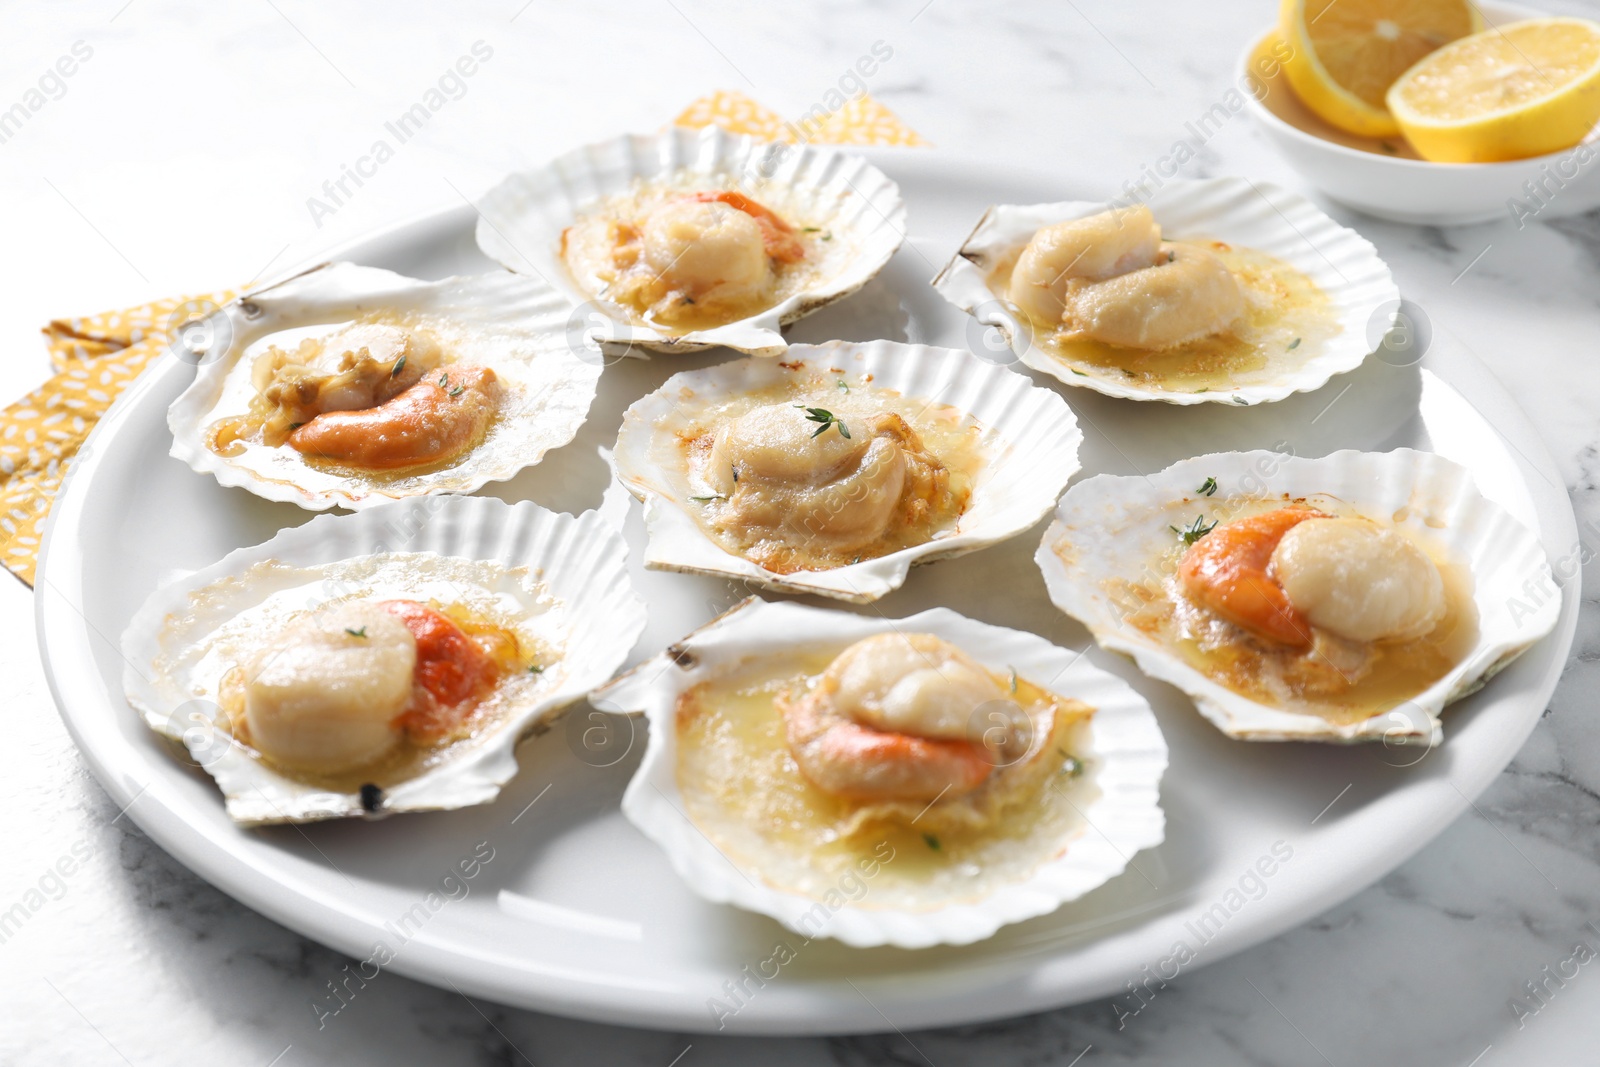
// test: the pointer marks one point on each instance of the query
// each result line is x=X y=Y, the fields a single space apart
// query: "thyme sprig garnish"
x=1208 y=487
x=824 y=419
x=356 y=633
x=1195 y=530
x=399 y=365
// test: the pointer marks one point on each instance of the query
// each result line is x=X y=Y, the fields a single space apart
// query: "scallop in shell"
x=835 y=469
x=1440 y=571
x=351 y=386
x=720 y=793
x=287 y=671
x=1308 y=298
x=688 y=239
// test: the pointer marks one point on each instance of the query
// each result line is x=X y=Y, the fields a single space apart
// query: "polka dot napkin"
x=98 y=356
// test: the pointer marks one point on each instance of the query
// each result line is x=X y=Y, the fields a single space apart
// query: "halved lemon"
x=1511 y=92
x=1347 y=53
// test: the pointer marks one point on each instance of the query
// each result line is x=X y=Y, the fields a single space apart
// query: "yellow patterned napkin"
x=95 y=358
x=862 y=121
x=98 y=356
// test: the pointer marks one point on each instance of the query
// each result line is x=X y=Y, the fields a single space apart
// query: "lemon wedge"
x=1347 y=53
x=1511 y=92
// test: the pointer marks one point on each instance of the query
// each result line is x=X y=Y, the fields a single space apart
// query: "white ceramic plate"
x=578 y=914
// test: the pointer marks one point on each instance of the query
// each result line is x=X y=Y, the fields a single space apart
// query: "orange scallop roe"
x=451 y=667
x=1226 y=572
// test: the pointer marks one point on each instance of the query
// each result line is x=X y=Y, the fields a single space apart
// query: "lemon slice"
x=1346 y=53
x=1512 y=92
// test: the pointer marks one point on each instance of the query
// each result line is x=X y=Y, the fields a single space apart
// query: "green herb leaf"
x=811 y=229
x=824 y=419
x=356 y=633
x=827 y=237
x=1203 y=389
x=842 y=384
x=1078 y=372
x=688 y=300
x=705 y=499
x=1208 y=487
x=1195 y=530
x=534 y=668
x=933 y=842
x=399 y=365
x=1071 y=765
x=1240 y=400
x=458 y=390
x=444 y=381
x=1294 y=344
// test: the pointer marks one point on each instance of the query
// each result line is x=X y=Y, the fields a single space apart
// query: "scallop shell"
x=1126 y=758
x=1111 y=526
x=522 y=219
x=565 y=575
x=1030 y=443
x=1239 y=211
x=513 y=324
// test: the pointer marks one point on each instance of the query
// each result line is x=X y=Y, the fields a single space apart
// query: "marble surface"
x=181 y=155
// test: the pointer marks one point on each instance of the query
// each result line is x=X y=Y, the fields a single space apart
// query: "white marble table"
x=180 y=156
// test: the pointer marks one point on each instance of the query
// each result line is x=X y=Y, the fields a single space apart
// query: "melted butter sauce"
x=1312 y=683
x=952 y=436
x=513 y=657
x=744 y=790
x=1288 y=318
x=234 y=436
x=598 y=272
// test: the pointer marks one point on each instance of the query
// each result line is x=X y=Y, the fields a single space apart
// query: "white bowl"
x=1360 y=173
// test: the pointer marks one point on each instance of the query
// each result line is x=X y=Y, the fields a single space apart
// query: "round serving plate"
x=576 y=913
